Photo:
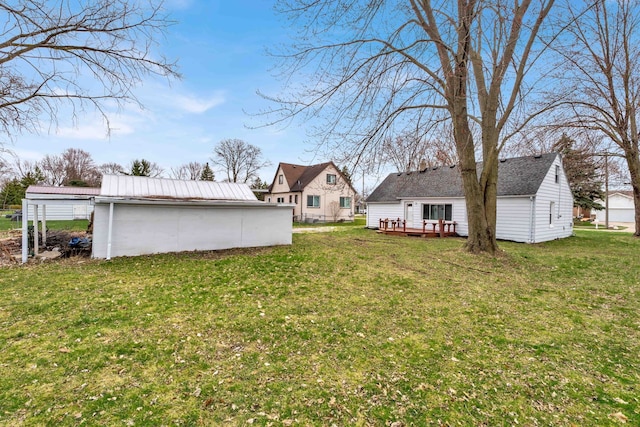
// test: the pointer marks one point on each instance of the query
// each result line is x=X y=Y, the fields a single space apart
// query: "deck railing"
x=439 y=227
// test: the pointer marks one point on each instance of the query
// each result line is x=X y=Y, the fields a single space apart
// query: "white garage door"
x=621 y=215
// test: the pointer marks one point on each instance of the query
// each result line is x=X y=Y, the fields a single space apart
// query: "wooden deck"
x=399 y=227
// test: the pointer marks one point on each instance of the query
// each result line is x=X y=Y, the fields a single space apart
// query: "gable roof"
x=299 y=176
x=518 y=176
x=161 y=188
x=624 y=193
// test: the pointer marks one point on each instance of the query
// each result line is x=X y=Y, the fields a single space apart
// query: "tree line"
x=237 y=160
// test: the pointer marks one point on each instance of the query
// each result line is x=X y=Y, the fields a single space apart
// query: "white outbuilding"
x=136 y=215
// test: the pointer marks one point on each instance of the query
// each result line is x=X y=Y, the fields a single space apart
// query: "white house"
x=534 y=200
x=621 y=207
x=318 y=192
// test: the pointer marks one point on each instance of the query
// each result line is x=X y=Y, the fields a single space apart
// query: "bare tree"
x=406 y=153
x=73 y=167
x=53 y=169
x=79 y=167
x=111 y=168
x=55 y=52
x=191 y=171
x=239 y=160
x=385 y=68
x=601 y=58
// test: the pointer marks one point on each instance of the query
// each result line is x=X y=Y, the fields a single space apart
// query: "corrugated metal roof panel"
x=145 y=187
x=75 y=191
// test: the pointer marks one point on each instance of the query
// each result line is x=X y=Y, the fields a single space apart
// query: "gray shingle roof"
x=518 y=176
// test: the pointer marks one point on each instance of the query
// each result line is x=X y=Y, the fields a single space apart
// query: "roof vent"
x=502 y=160
x=435 y=167
x=537 y=156
x=399 y=173
x=408 y=173
x=452 y=166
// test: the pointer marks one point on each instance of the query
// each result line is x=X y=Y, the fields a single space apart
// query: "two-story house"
x=319 y=192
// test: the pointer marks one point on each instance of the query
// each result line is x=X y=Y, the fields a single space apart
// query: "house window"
x=331 y=179
x=268 y=199
x=345 y=202
x=557 y=174
x=436 y=212
x=313 y=201
x=280 y=179
x=552 y=208
x=290 y=198
x=296 y=199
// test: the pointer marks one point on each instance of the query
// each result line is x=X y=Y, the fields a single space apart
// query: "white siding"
x=560 y=194
x=621 y=209
x=514 y=219
x=146 y=229
x=378 y=211
x=62 y=212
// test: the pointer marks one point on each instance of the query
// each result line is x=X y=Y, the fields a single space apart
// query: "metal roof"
x=72 y=191
x=161 y=188
x=518 y=176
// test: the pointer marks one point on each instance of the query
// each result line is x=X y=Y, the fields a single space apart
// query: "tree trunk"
x=633 y=162
x=480 y=192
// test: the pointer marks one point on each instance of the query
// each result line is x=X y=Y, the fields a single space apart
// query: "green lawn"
x=349 y=328
x=72 y=225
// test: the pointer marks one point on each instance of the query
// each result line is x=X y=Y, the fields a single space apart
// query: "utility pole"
x=606 y=190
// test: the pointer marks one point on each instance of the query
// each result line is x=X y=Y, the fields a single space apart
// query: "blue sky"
x=220 y=48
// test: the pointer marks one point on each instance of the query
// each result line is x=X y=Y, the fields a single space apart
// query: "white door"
x=408 y=214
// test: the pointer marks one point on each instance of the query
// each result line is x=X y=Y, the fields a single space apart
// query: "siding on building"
x=621 y=208
x=526 y=188
x=158 y=228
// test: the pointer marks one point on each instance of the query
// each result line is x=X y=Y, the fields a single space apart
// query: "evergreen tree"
x=207 y=173
x=12 y=193
x=140 y=167
x=15 y=190
x=259 y=184
x=582 y=173
x=346 y=174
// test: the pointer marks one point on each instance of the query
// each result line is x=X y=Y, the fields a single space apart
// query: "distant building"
x=318 y=192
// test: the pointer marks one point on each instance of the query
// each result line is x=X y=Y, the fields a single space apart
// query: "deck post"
x=441 y=227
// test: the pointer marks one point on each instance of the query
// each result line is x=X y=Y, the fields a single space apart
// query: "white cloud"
x=193 y=104
x=96 y=128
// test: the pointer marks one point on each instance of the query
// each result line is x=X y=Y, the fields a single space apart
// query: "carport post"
x=25 y=230
x=36 y=243
x=110 y=230
x=44 y=225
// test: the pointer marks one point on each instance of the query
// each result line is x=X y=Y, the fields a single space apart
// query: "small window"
x=296 y=198
x=280 y=179
x=268 y=199
x=331 y=179
x=345 y=202
x=552 y=208
x=313 y=201
x=290 y=198
x=280 y=199
x=557 y=174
